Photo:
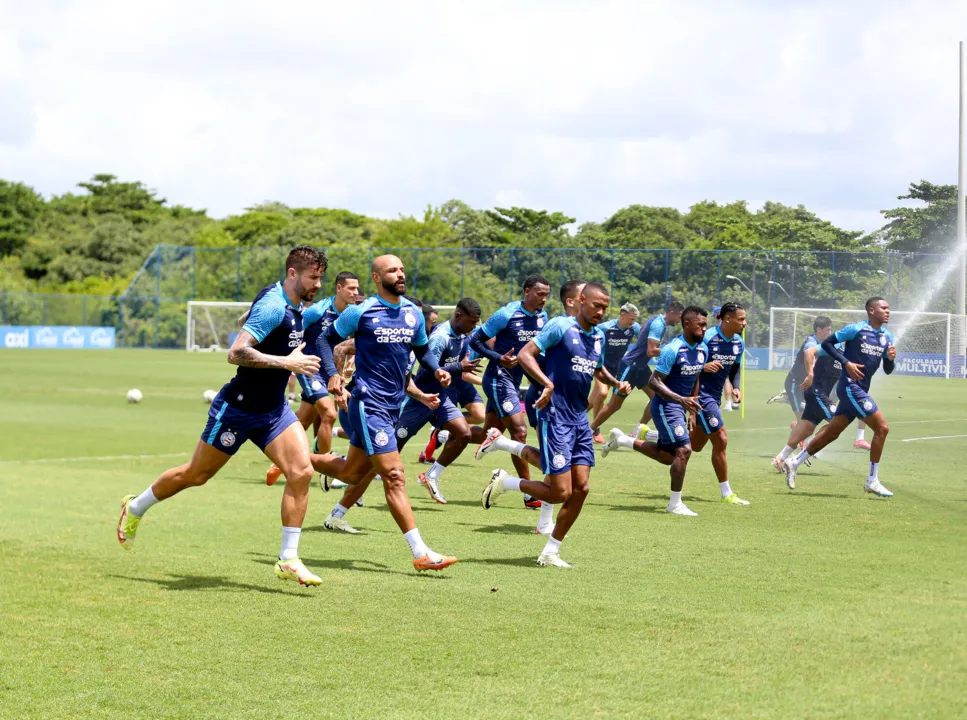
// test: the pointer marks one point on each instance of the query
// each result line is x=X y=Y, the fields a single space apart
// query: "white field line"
x=894 y=422
x=933 y=437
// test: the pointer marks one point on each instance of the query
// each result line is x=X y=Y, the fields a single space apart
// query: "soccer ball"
x=134 y=396
x=208 y=396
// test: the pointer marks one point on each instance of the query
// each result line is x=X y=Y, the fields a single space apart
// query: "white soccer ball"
x=134 y=396
x=208 y=396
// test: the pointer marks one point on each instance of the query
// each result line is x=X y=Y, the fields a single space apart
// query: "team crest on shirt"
x=402 y=432
x=381 y=438
x=628 y=331
x=867 y=405
x=883 y=340
x=227 y=438
x=409 y=319
x=240 y=398
x=558 y=461
x=714 y=422
x=540 y=322
x=316 y=385
x=508 y=406
x=701 y=356
x=679 y=431
x=735 y=349
x=597 y=346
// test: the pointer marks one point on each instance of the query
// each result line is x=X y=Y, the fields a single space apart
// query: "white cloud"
x=582 y=107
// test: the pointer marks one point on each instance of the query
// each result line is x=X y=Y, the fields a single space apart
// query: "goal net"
x=928 y=344
x=213 y=325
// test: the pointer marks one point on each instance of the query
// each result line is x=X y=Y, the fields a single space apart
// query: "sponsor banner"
x=57 y=337
x=907 y=363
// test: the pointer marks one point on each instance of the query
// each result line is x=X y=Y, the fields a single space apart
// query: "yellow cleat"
x=128 y=524
x=293 y=569
x=733 y=499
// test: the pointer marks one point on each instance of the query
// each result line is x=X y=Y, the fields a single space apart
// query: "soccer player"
x=573 y=356
x=867 y=345
x=675 y=383
x=253 y=406
x=512 y=327
x=570 y=295
x=634 y=365
x=797 y=373
x=387 y=327
x=618 y=333
x=316 y=402
x=468 y=398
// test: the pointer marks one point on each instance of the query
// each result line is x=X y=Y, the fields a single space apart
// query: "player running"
x=386 y=328
x=467 y=397
x=634 y=365
x=253 y=406
x=573 y=356
x=512 y=327
x=619 y=334
x=867 y=345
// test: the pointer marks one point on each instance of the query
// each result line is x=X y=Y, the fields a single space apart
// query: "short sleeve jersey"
x=449 y=348
x=680 y=362
x=512 y=327
x=571 y=357
x=316 y=319
x=727 y=351
x=276 y=325
x=798 y=369
x=653 y=329
x=384 y=334
x=865 y=346
x=617 y=339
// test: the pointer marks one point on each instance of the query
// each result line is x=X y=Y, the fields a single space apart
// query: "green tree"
x=647 y=227
x=930 y=228
x=20 y=206
x=534 y=228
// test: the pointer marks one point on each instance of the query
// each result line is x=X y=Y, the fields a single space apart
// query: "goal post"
x=213 y=325
x=928 y=343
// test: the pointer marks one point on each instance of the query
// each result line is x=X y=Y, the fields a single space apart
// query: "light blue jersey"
x=617 y=340
x=654 y=329
x=680 y=362
x=865 y=346
x=572 y=355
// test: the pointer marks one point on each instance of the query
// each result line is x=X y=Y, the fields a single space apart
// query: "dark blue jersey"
x=512 y=327
x=276 y=325
x=680 y=362
x=617 y=339
x=448 y=348
x=826 y=372
x=571 y=355
x=798 y=369
x=384 y=334
x=316 y=319
x=653 y=329
x=864 y=346
x=727 y=351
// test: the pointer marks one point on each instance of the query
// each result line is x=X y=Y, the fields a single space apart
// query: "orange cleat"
x=273 y=475
x=433 y=561
x=861 y=445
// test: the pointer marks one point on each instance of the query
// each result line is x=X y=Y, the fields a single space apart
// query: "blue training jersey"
x=727 y=351
x=384 y=334
x=654 y=329
x=571 y=355
x=512 y=327
x=316 y=319
x=542 y=357
x=826 y=372
x=864 y=346
x=449 y=348
x=680 y=362
x=617 y=339
x=276 y=325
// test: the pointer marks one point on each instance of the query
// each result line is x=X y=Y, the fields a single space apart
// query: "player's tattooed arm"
x=657 y=383
x=244 y=354
x=243 y=317
x=341 y=354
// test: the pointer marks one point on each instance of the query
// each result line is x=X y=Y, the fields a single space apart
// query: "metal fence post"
x=563 y=280
x=416 y=269
x=510 y=275
x=157 y=318
x=238 y=274
x=463 y=268
x=612 y=272
x=369 y=275
x=668 y=293
x=194 y=272
x=832 y=280
x=44 y=320
x=718 y=278
x=84 y=310
x=120 y=329
x=3 y=307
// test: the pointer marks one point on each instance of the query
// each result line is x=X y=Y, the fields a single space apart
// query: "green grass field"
x=823 y=602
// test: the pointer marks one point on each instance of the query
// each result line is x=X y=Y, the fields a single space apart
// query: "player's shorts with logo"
x=372 y=429
x=564 y=446
x=710 y=419
x=854 y=401
x=637 y=374
x=313 y=388
x=414 y=415
x=530 y=397
x=817 y=407
x=670 y=420
x=794 y=394
x=467 y=395
x=503 y=396
x=228 y=427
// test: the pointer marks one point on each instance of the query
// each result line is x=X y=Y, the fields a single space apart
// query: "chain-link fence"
x=152 y=311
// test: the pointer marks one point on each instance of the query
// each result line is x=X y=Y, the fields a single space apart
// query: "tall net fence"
x=153 y=310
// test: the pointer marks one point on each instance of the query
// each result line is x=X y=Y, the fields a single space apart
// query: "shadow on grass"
x=529 y=561
x=317 y=565
x=505 y=529
x=206 y=582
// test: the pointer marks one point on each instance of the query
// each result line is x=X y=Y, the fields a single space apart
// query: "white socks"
x=290 y=543
x=139 y=506
x=417 y=546
x=727 y=406
x=786 y=452
x=436 y=471
x=675 y=499
x=625 y=441
x=725 y=488
x=651 y=436
x=860 y=433
x=508 y=445
x=546 y=516
x=339 y=511
x=512 y=483
x=553 y=547
x=800 y=458
x=874 y=473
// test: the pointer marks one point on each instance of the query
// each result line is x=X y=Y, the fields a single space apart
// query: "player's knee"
x=519 y=433
x=684 y=453
x=580 y=490
x=394 y=478
x=328 y=416
x=883 y=430
x=196 y=477
x=301 y=475
x=559 y=495
x=459 y=438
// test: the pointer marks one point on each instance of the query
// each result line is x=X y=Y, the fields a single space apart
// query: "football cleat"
x=272 y=475
x=488 y=445
x=128 y=524
x=551 y=560
x=680 y=509
x=493 y=489
x=433 y=487
x=598 y=437
x=531 y=502
x=294 y=570
x=433 y=561
x=861 y=445
x=779 y=464
x=876 y=488
x=778 y=397
x=612 y=444
x=733 y=499
x=339 y=524
x=791 y=476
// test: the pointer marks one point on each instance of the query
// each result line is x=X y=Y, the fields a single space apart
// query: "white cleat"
x=791 y=476
x=488 y=445
x=779 y=464
x=680 y=509
x=339 y=525
x=493 y=489
x=552 y=560
x=611 y=444
x=544 y=529
x=876 y=488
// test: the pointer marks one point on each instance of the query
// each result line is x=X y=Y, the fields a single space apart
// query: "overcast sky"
x=583 y=107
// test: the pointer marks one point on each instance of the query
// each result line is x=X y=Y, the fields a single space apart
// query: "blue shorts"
x=817 y=408
x=344 y=421
x=710 y=419
x=372 y=429
x=613 y=367
x=670 y=420
x=794 y=394
x=530 y=397
x=467 y=395
x=638 y=375
x=313 y=388
x=854 y=401
x=414 y=415
x=564 y=446
x=228 y=428
x=503 y=396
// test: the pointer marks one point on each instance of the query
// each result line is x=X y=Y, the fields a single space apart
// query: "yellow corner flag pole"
x=742 y=384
